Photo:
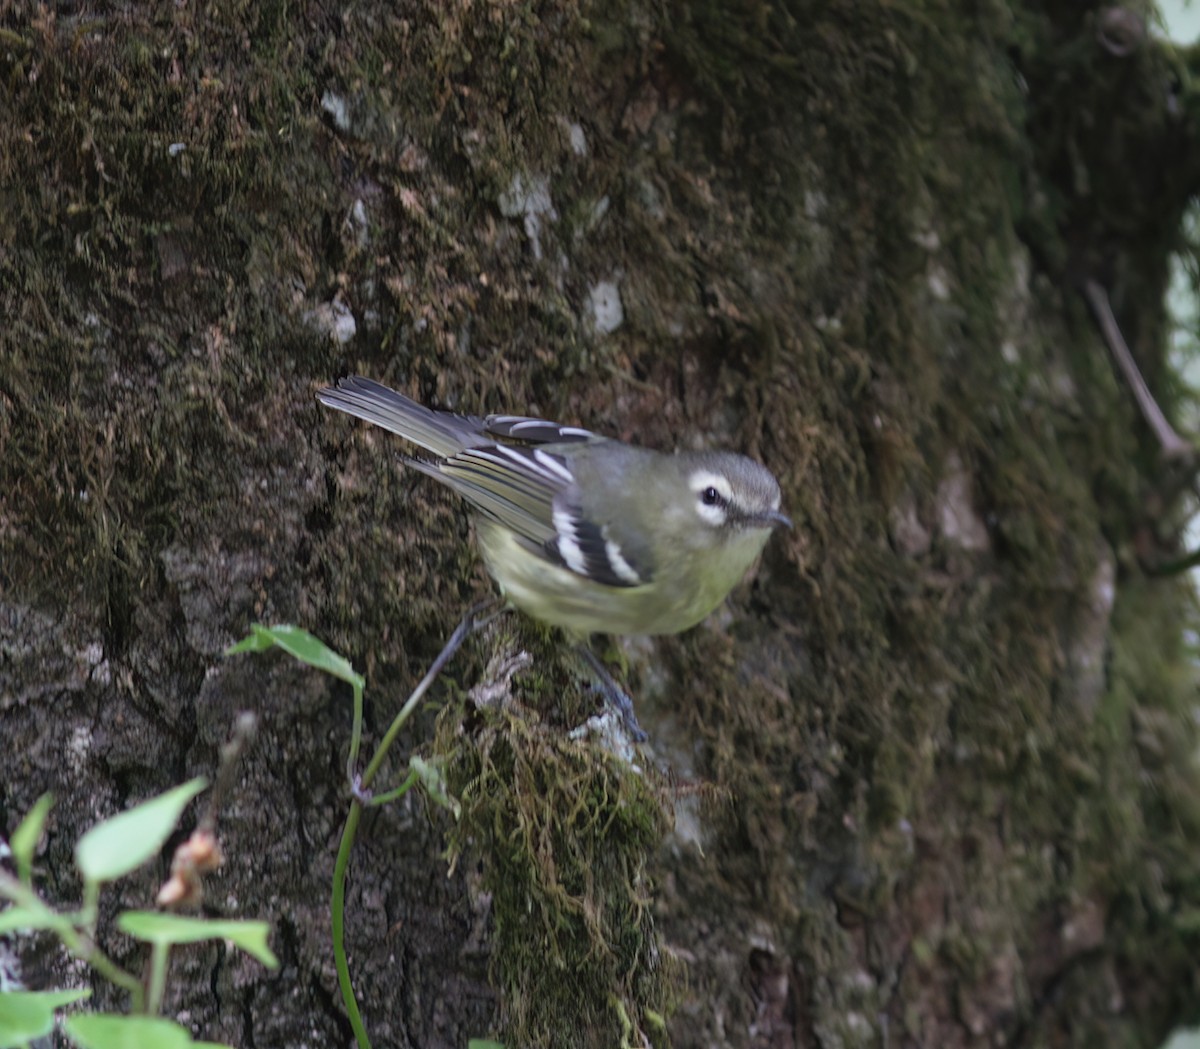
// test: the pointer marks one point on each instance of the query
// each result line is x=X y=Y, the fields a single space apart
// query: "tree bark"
x=927 y=780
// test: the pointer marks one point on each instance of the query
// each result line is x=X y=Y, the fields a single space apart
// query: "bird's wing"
x=533 y=493
x=530 y=488
x=517 y=486
x=536 y=431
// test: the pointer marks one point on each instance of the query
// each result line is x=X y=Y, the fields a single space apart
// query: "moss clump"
x=564 y=830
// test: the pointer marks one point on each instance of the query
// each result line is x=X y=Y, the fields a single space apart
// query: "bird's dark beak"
x=775 y=519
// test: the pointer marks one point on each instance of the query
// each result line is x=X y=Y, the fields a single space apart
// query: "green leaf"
x=29 y=831
x=301 y=644
x=434 y=781
x=32 y=917
x=484 y=1043
x=26 y=1015
x=106 y=1031
x=122 y=844
x=171 y=929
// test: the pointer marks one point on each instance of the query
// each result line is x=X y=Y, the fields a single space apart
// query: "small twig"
x=231 y=753
x=1173 y=446
x=201 y=853
x=1176 y=567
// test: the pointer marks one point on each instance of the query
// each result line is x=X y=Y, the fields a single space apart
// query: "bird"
x=585 y=532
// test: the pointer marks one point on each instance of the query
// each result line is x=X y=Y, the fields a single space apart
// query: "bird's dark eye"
x=711 y=497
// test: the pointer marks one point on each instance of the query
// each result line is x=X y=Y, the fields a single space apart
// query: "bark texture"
x=928 y=780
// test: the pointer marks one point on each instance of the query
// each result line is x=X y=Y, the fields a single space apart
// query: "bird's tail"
x=442 y=433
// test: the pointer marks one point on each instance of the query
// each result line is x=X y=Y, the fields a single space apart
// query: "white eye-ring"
x=713 y=494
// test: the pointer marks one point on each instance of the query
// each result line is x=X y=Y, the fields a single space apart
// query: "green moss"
x=923 y=697
x=564 y=833
x=848 y=238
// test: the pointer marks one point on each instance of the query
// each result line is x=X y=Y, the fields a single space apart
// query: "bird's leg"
x=616 y=696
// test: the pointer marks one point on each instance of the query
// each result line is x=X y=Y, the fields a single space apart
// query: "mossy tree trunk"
x=927 y=781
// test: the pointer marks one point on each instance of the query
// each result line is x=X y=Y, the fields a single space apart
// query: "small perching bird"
x=584 y=532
